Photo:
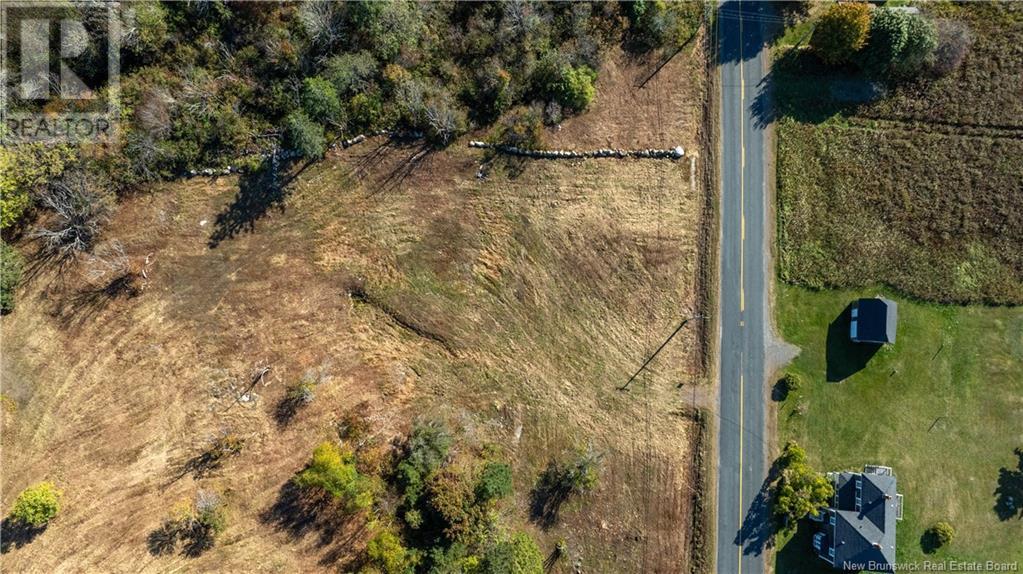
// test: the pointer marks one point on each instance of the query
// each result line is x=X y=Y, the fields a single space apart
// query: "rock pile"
x=675 y=153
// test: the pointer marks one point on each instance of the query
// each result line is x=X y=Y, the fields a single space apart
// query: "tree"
x=570 y=86
x=332 y=470
x=900 y=44
x=387 y=553
x=305 y=136
x=495 y=482
x=320 y=100
x=518 y=555
x=198 y=524
x=919 y=50
x=887 y=39
x=26 y=169
x=801 y=492
x=942 y=533
x=658 y=23
x=522 y=128
x=841 y=32
x=792 y=454
x=80 y=208
x=37 y=505
x=11 y=264
x=351 y=73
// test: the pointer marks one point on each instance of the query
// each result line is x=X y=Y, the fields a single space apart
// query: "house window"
x=817 y=540
x=831 y=552
x=831 y=519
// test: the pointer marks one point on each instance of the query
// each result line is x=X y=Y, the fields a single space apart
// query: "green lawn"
x=943 y=407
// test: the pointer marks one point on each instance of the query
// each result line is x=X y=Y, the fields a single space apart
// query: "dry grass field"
x=511 y=307
x=919 y=190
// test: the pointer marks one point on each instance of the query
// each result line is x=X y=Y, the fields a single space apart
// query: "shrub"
x=953 y=43
x=570 y=86
x=320 y=100
x=801 y=491
x=37 y=505
x=792 y=454
x=425 y=451
x=11 y=264
x=942 y=533
x=793 y=382
x=25 y=169
x=522 y=128
x=147 y=31
x=495 y=482
x=351 y=73
x=919 y=50
x=663 y=23
x=333 y=471
x=841 y=32
x=366 y=111
x=197 y=524
x=305 y=136
x=387 y=553
x=80 y=208
x=887 y=39
x=519 y=555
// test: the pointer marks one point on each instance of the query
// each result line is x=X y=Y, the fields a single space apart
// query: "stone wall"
x=675 y=153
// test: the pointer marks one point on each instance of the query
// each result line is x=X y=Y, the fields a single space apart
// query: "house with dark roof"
x=857 y=532
x=873 y=320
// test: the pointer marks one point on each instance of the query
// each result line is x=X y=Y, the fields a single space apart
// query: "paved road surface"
x=742 y=516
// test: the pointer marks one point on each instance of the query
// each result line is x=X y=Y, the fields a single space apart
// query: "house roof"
x=864 y=537
x=873 y=320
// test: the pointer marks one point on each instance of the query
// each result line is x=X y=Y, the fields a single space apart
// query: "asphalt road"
x=742 y=464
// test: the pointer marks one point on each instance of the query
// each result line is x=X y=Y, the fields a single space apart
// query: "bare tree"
x=80 y=210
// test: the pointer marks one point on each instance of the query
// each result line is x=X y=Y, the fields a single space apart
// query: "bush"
x=663 y=23
x=425 y=451
x=333 y=471
x=197 y=524
x=81 y=206
x=572 y=87
x=11 y=264
x=900 y=44
x=522 y=128
x=920 y=47
x=887 y=39
x=24 y=170
x=495 y=482
x=941 y=533
x=37 y=505
x=793 y=382
x=320 y=101
x=801 y=490
x=351 y=73
x=841 y=32
x=387 y=553
x=519 y=555
x=305 y=136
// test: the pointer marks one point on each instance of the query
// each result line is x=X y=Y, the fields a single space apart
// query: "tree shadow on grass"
x=259 y=191
x=303 y=511
x=929 y=542
x=547 y=497
x=1009 y=493
x=15 y=534
x=844 y=357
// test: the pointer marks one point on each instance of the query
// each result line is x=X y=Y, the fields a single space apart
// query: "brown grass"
x=539 y=293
